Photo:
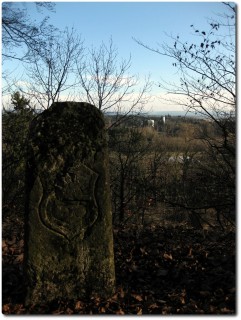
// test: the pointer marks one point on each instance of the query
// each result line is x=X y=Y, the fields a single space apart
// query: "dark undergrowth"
x=159 y=270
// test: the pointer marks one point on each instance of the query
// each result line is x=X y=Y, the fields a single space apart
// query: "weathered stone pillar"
x=69 y=244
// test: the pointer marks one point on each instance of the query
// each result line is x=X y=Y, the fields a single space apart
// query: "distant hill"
x=164 y=113
x=174 y=114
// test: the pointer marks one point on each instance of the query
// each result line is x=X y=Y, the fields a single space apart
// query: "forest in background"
x=167 y=170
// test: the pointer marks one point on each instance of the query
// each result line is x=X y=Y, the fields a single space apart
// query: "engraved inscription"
x=71 y=208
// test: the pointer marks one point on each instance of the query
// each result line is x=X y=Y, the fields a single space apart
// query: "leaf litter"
x=159 y=270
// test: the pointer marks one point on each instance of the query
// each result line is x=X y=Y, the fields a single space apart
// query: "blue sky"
x=147 y=21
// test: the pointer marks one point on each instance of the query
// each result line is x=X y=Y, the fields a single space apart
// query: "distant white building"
x=164 y=119
x=178 y=159
x=150 y=123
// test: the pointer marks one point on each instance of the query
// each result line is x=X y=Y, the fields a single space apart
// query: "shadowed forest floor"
x=158 y=271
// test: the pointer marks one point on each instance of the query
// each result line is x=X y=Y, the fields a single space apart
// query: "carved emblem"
x=71 y=208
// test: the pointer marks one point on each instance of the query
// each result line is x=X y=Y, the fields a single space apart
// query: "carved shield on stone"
x=71 y=208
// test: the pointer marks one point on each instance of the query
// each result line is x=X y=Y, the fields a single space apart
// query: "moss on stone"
x=69 y=243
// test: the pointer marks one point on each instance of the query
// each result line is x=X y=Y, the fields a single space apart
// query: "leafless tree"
x=207 y=69
x=128 y=147
x=51 y=73
x=20 y=35
x=107 y=84
x=207 y=87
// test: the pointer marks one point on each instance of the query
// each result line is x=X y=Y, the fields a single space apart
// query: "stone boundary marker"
x=68 y=227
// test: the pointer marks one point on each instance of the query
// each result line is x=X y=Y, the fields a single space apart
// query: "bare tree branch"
x=19 y=32
x=52 y=69
x=207 y=86
x=107 y=83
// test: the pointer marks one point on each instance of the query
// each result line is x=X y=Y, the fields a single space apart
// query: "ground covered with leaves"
x=158 y=271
